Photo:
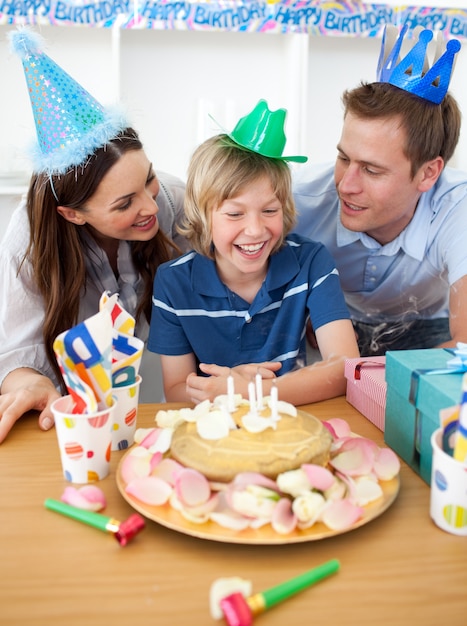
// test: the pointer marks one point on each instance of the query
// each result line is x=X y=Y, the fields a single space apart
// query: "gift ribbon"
x=358 y=367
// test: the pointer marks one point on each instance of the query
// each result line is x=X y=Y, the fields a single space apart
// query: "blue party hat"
x=413 y=73
x=70 y=123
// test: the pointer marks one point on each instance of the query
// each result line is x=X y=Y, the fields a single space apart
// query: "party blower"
x=239 y=611
x=122 y=531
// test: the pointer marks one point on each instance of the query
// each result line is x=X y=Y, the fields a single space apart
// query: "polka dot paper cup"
x=448 y=501
x=84 y=440
x=124 y=424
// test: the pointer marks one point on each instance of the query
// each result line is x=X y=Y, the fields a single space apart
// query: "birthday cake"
x=241 y=464
x=256 y=441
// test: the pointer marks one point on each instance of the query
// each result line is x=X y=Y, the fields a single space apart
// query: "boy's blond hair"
x=221 y=169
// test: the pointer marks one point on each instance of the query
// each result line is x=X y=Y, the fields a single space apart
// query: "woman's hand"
x=25 y=390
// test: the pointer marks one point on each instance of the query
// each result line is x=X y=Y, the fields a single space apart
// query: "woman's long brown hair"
x=56 y=249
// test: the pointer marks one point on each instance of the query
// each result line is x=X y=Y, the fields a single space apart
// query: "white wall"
x=170 y=80
x=187 y=76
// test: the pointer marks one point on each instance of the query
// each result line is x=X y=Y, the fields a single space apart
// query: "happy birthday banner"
x=274 y=16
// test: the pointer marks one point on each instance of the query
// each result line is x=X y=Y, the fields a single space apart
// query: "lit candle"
x=230 y=394
x=252 y=398
x=274 y=401
x=259 y=391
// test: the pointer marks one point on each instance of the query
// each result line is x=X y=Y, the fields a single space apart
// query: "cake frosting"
x=266 y=441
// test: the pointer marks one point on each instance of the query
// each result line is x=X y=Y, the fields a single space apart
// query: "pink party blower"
x=122 y=531
x=239 y=611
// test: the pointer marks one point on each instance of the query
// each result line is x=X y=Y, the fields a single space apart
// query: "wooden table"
x=399 y=569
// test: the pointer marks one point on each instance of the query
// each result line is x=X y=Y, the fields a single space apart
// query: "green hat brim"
x=258 y=150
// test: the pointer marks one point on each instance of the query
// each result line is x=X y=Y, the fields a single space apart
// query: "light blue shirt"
x=408 y=278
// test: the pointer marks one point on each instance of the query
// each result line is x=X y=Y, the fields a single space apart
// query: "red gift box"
x=366 y=387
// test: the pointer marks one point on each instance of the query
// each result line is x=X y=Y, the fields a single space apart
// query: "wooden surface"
x=399 y=569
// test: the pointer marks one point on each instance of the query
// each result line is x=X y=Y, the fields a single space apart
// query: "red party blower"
x=122 y=531
x=239 y=611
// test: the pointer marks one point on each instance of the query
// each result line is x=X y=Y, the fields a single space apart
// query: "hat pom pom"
x=25 y=42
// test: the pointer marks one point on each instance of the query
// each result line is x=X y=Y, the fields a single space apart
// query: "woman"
x=89 y=225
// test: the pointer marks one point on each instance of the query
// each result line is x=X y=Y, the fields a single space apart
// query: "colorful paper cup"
x=124 y=423
x=448 y=501
x=84 y=440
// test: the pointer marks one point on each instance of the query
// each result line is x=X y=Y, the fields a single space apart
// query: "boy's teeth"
x=251 y=248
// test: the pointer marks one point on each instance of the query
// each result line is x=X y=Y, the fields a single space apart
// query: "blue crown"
x=413 y=73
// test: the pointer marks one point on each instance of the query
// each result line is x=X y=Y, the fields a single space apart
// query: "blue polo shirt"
x=194 y=312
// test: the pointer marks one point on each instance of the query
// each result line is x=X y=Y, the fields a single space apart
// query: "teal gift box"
x=414 y=399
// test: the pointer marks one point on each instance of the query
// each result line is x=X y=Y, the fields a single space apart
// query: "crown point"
x=426 y=36
x=453 y=46
x=413 y=73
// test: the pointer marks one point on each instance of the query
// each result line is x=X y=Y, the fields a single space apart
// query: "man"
x=389 y=211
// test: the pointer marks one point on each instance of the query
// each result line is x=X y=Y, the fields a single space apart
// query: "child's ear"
x=75 y=217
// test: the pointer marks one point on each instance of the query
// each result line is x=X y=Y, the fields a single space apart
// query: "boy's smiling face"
x=245 y=230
